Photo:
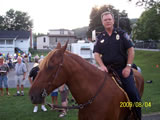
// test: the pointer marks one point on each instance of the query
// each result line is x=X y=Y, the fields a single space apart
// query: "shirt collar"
x=113 y=32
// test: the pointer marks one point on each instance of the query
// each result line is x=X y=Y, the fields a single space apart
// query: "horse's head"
x=50 y=76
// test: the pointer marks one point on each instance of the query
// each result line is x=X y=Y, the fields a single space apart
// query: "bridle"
x=44 y=93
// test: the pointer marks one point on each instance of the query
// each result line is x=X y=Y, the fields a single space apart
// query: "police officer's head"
x=107 y=19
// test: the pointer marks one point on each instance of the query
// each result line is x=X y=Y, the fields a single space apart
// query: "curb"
x=156 y=113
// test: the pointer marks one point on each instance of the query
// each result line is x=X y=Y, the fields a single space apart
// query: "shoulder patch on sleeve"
x=126 y=36
x=95 y=43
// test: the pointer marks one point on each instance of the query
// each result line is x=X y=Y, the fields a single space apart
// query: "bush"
x=39 y=52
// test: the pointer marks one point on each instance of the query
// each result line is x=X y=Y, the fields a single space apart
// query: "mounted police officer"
x=114 y=48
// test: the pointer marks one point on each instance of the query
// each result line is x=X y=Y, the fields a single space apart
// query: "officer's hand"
x=103 y=68
x=126 y=71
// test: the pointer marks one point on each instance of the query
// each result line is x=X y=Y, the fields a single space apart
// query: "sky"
x=67 y=14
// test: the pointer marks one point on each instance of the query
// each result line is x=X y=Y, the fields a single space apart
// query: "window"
x=85 y=51
x=45 y=46
x=61 y=32
x=2 y=42
x=9 y=42
x=44 y=39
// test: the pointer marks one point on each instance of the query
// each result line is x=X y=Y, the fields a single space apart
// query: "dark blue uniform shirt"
x=113 y=48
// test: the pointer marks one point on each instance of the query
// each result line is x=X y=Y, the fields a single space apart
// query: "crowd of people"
x=20 y=64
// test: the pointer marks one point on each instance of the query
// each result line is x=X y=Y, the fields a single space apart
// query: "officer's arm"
x=98 y=59
x=130 y=55
x=126 y=71
x=100 y=62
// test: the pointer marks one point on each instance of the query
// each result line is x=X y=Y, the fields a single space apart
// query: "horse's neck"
x=84 y=80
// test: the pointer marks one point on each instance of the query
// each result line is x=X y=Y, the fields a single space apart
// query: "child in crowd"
x=54 y=96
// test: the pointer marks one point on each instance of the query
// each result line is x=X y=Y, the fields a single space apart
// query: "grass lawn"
x=147 y=60
x=20 y=107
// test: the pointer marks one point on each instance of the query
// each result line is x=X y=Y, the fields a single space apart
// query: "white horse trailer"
x=85 y=50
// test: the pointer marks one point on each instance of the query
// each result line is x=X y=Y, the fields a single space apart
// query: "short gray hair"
x=107 y=13
x=19 y=57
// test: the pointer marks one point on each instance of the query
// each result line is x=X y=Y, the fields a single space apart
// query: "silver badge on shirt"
x=117 y=37
x=102 y=41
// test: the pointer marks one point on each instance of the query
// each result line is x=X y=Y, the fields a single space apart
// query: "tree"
x=15 y=20
x=121 y=19
x=80 y=33
x=148 y=26
x=1 y=22
x=147 y=3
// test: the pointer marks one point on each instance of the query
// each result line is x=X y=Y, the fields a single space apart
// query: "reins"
x=81 y=106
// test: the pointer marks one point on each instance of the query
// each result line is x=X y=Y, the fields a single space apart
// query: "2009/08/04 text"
x=135 y=104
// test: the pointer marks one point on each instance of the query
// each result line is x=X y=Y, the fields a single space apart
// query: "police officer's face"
x=108 y=21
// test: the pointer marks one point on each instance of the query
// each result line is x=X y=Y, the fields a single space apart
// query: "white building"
x=42 y=42
x=54 y=36
x=15 y=41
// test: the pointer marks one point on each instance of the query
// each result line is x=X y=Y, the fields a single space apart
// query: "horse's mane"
x=45 y=61
x=79 y=60
x=82 y=62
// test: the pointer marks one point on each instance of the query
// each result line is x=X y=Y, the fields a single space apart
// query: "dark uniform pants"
x=130 y=88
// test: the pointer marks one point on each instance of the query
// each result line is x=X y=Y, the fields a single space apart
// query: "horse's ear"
x=58 y=46
x=65 y=46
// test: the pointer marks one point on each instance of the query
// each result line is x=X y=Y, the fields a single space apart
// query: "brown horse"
x=83 y=80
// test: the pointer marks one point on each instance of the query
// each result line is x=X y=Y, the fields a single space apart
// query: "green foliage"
x=148 y=26
x=15 y=20
x=146 y=3
x=31 y=50
x=1 y=21
x=95 y=19
x=39 y=52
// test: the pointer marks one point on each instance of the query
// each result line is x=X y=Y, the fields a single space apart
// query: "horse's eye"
x=50 y=67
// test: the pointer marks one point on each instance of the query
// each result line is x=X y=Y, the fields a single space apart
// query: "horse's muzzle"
x=36 y=100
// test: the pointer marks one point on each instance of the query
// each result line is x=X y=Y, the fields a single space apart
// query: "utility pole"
x=118 y=20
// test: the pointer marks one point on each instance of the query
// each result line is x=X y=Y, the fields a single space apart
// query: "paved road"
x=12 y=84
x=11 y=78
x=154 y=116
